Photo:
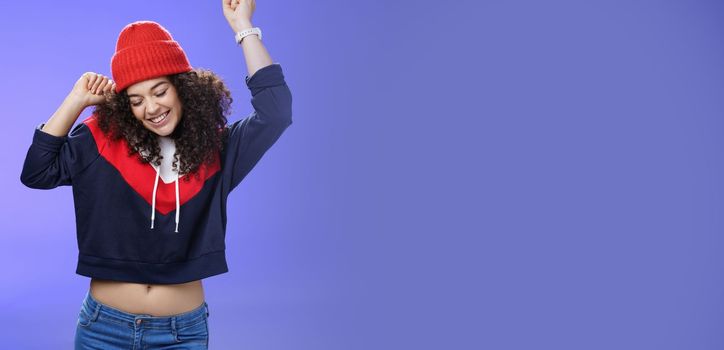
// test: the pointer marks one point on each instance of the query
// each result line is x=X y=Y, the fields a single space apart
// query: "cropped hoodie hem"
x=207 y=265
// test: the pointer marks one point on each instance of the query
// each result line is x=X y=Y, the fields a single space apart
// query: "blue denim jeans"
x=103 y=327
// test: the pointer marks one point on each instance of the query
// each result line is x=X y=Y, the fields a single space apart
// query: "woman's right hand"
x=91 y=89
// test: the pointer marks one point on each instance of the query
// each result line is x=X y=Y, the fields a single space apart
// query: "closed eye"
x=161 y=94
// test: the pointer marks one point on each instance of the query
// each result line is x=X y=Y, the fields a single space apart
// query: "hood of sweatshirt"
x=166 y=172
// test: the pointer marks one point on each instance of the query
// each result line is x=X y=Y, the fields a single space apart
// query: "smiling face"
x=155 y=103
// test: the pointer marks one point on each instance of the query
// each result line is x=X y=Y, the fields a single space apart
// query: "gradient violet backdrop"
x=459 y=175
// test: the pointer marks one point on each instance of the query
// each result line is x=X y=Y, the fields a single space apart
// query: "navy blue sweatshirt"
x=118 y=198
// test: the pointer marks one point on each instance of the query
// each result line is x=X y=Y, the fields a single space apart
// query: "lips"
x=160 y=119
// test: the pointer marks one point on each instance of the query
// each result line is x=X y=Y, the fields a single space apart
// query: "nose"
x=152 y=108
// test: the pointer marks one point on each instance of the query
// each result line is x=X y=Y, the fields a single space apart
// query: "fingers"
x=104 y=87
x=231 y=4
x=90 y=79
x=110 y=86
x=97 y=83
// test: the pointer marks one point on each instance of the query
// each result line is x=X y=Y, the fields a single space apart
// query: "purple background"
x=459 y=175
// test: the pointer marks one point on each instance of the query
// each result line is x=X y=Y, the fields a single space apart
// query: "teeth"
x=159 y=118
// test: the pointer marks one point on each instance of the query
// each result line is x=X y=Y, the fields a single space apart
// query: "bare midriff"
x=149 y=299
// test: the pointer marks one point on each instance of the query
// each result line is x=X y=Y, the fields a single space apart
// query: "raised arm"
x=89 y=89
x=238 y=13
x=55 y=156
x=271 y=98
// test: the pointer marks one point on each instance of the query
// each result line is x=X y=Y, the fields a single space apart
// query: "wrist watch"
x=240 y=35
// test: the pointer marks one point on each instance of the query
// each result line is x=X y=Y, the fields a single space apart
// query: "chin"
x=162 y=131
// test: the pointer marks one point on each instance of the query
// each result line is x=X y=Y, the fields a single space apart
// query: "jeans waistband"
x=93 y=308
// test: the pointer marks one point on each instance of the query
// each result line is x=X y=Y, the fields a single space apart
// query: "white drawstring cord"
x=178 y=207
x=178 y=202
x=153 y=207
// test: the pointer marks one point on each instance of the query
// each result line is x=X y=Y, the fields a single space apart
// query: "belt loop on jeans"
x=173 y=326
x=206 y=307
x=96 y=312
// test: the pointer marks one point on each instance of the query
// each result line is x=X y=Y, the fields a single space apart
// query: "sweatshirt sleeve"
x=252 y=136
x=53 y=161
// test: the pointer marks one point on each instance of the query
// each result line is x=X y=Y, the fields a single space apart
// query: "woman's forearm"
x=64 y=117
x=255 y=54
x=90 y=89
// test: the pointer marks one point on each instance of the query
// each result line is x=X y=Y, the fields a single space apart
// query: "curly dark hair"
x=200 y=134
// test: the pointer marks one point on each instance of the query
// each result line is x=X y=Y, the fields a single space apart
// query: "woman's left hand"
x=238 y=13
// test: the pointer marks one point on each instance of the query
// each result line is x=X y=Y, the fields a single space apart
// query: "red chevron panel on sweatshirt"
x=141 y=176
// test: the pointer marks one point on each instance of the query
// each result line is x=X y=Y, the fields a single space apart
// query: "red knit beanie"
x=146 y=50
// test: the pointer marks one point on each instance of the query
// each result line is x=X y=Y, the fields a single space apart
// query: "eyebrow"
x=153 y=87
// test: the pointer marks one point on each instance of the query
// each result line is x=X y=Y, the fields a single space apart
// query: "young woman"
x=151 y=170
